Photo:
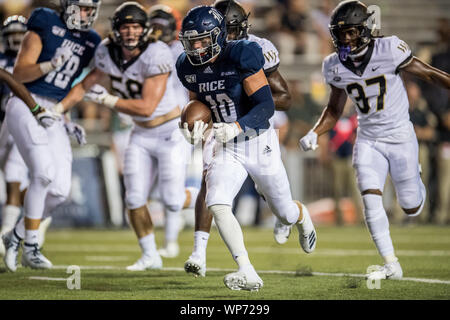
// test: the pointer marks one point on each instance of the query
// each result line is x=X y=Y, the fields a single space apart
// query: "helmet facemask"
x=80 y=15
x=201 y=48
x=130 y=40
x=13 y=32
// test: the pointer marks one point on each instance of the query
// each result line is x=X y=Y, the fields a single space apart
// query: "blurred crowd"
x=299 y=30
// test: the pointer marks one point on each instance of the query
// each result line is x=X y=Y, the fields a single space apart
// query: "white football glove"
x=100 y=95
x=196 y=135
x=47 y=118
x=224 y=132
x=76 y=131
x=309 y=142
x=61 y=56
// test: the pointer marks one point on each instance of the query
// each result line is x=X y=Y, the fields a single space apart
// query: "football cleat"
x=12 y=245
x=281 y=232
x=33 y=258
x=307 y=233
x=196 y=266
x=147 y=263
x=245 y=278
x=43 y=226
x=170 y=251
x=391 y=271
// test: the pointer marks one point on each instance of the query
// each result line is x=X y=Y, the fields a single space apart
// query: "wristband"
x=46 y=67
x=35 y=110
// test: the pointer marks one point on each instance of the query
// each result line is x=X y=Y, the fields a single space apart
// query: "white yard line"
x=259 y=271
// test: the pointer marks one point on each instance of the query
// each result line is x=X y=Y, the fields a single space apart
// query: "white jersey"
x=127 y=81
x=181 y=93
x=376 y=88
x=271 y=57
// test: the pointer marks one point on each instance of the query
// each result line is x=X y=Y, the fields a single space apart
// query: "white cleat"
x=170 y=251
x=147 y=263
x=12 y=245
x=33 y=258
x=43 y=226
x=391 y=271
x=244 y=279
x=196 y=266
x=281 y=232
x=307 y=233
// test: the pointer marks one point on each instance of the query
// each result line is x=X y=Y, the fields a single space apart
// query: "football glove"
x=100 y=95
x=47 y=118
x=74 y=130
x=196 y=135
x=224 y=132
x=309 y=142
x=61 y=56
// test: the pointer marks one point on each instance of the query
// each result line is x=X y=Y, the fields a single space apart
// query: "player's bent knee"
x=134 y=201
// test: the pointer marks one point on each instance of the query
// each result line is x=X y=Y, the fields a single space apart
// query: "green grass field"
x=333 y=271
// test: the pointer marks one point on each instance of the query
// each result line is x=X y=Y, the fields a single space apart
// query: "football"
x=193 y=111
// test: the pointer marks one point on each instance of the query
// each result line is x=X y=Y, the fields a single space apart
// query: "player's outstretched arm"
x=327 y=120
x=18 y=89
x=280 y=91
x=77 y=93
x=152 y=92
x=428 y=73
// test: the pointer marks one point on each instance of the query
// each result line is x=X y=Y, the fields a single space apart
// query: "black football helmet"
x=163 y=24
x=13 y=31
x=237 y=18
x=130 y=12
x=346 y=15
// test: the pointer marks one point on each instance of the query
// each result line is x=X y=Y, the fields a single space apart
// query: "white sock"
x=200 y=243
x=172 y=226
x=378 y=224
x=10 y=215
x=31 y=236
x=194 y=193
x=148 y=244
x=390 y=258
x=230 y=231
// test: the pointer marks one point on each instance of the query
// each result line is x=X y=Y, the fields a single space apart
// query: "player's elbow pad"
x=262 y=111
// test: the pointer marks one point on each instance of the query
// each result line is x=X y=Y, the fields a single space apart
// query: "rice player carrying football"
x=163 y=26
x=237 y=28
x=228 y=77
x=54 y=51
x=140 y=73
x=369 y=70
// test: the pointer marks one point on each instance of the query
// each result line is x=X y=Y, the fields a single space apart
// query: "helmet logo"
x=216 y=14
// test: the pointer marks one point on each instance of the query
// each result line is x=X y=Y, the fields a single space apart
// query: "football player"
x=15 y=169
x=228 y=77
x=237 y=28
x=139 y=69
x=53 y=53
x=163 y=26
x=368 y=69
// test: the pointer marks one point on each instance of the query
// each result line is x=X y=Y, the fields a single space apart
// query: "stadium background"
x=323 y=179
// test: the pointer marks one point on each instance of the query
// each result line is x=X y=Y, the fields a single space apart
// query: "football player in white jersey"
x=237 y=28
x=139 y=70
x=368 y=70
x=163 y=27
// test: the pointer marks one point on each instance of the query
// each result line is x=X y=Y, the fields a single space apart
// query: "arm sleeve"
x=263 y=109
